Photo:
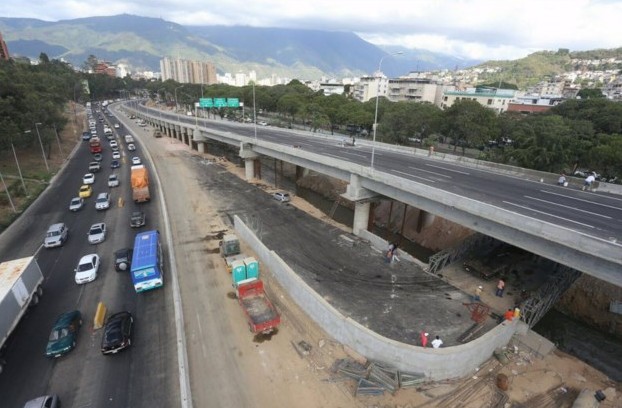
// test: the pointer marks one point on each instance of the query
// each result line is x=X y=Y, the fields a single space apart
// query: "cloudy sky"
x=482 y=29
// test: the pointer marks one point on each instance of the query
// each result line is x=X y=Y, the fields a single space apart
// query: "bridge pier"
x=249 y=156
x=199 y=139
x=362 y=203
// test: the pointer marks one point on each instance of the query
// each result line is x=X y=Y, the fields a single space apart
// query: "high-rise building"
x=188 y=72
x=4 y=51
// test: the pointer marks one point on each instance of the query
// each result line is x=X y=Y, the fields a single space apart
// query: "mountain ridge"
x=142 y=41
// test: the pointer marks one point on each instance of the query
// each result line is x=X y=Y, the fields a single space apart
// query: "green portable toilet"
x=238 y=272
x=252 y=267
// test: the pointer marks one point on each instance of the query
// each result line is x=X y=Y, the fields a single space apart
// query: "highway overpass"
x=582 y=230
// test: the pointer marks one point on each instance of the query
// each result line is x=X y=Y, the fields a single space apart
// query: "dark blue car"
x=115 y=164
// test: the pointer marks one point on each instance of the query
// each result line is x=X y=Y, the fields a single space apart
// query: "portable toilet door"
x=252 y=267
x=238 y=272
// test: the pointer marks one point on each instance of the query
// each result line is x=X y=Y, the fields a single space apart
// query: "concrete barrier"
x=436 y=364
x=100 y=316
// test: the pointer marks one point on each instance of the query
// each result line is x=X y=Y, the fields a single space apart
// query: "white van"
x=129 y=139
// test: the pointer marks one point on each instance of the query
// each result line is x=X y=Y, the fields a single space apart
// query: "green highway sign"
x=233 y=103
x=220 y=102
x=206 y=103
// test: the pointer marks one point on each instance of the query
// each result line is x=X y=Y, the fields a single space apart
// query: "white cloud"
x=486 y=29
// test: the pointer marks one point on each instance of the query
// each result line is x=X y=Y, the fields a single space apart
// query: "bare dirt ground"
x=277 y=375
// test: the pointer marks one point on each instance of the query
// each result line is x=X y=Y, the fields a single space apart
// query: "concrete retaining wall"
x=436 y=364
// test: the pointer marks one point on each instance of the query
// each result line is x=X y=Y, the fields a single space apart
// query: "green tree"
x=591 y=93
x=468 y=123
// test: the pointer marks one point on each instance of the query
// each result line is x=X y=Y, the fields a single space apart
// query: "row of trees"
x=583 y=133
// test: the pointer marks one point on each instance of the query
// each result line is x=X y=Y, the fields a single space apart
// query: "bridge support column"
x=361 y=216
x=362 y=203
x=301 y=172
x=199 y=139
x=249 y=156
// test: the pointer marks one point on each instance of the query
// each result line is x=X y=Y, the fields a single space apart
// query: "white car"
x=87 y=268
x=89 y=178
x=116 y=155
x=102 y=202
x=113 y=180
x=282 y=197
x=116 y=126
x=76 y=204
x=97 y=233
x=113 y=143
x=136 y=160
x=131 y=147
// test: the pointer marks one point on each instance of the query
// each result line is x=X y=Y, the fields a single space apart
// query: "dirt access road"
x=228 y=367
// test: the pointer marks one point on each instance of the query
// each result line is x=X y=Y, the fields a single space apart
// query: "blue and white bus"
x=147 y=262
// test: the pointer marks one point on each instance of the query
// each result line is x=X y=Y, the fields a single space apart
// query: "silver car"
x=76 y=204
x=102 y=202
x=97 y=233
x=56 y=235
x=113 y=180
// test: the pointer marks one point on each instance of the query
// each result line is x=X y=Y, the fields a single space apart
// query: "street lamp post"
x=42 y=149
x=254 y=113
x=19 y=169
x=176 y=105
x=373 y=146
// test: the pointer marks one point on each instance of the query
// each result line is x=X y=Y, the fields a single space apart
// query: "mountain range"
x=141 y=42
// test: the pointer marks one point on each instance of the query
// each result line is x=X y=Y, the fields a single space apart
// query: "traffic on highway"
x=81 y=233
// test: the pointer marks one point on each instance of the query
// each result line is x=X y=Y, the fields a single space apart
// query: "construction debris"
x=374 y=378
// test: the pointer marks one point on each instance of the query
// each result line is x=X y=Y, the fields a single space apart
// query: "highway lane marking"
x=584 y=200
x=356 y=154
x=551 y=215
x=201 y=336
x=429 y=171
x=412 y=175
x=446 y=169
x=569 y=207
x=332 y=155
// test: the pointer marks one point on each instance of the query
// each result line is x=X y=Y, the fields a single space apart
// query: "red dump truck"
x=95 y=145
x=140 y=184
x=261 y=315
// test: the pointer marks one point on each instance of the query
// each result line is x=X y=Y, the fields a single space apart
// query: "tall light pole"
x=373 y=146
x=42 y=149
x=19 y=169
x=254 y=112
x=176 y=106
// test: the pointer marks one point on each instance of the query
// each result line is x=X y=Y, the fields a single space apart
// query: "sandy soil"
x=292 y=379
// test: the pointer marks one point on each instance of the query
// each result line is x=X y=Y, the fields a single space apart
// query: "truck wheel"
x=35 y=300
x=40 y=290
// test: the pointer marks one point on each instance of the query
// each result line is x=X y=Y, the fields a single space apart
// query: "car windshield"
x=58 y=334
x=75 y=201
x=95 y=231
x=102 y=199
x=85 y=267
x=112 y=178
x=53 y=233
x=84 y=188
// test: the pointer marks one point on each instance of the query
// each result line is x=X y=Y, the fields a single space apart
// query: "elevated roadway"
x=575 y=228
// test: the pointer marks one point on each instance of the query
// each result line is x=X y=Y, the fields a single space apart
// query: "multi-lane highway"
x=84 y=377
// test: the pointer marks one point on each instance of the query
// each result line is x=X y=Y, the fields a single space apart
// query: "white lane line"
x=333 y=155
x=203 y=350
x=429 y=171
x=413 y=176
x=584 y=200
x=567 y=206
x=446 y=169
x=550 y=215
x=356 y=154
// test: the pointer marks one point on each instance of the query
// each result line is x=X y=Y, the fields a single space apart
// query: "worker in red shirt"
x=509 y=315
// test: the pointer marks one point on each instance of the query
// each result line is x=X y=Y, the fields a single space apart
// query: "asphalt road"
x=596 y=215
x=142 y=376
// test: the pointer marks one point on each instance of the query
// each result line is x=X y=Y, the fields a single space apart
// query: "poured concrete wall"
x=436 y=364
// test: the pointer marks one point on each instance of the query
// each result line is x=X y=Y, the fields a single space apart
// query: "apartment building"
x=369 y=87
x=416 y=90
x=492 y=98
x=188 y=72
